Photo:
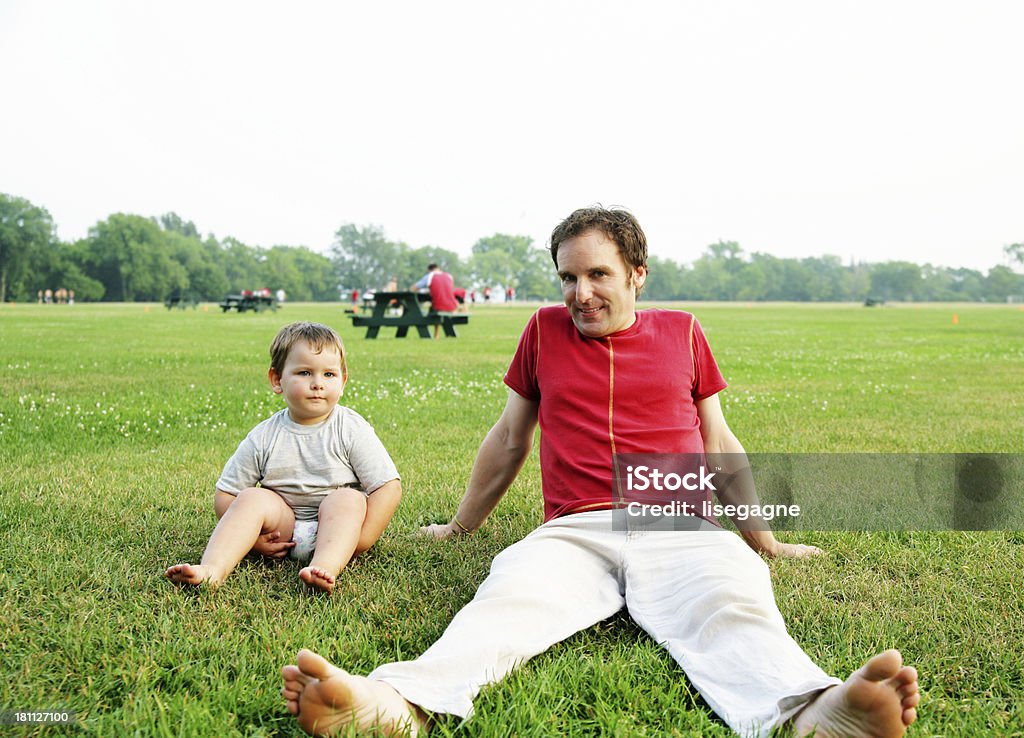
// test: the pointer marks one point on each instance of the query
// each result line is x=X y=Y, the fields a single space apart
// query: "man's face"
x=598 y=287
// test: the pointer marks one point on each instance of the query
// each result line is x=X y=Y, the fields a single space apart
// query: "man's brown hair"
x=617 y=224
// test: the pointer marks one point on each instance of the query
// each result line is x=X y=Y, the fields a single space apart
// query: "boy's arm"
x=498 y=461
x=724 y=450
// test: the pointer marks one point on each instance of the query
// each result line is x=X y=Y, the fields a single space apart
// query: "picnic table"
x=402 y=310
x=256 y=303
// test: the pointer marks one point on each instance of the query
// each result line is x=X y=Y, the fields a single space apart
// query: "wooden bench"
x=241 y=303
x=403 y=323
x=411 y=315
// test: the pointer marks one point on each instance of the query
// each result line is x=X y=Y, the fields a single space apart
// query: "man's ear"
x=275 y=380
x=640 y=275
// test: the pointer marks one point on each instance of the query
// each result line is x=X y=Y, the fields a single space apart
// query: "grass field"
x=115 y=421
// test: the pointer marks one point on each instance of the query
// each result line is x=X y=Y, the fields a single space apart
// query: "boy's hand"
x=439 y=531
x=270 y=545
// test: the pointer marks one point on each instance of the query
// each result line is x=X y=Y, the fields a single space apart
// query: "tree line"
x=134 y=258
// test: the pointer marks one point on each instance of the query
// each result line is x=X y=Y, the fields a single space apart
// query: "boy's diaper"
x=304 y=535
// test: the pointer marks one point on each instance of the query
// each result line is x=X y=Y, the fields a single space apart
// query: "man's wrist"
x=458 y=527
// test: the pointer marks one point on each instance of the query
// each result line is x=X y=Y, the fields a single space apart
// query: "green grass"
x=115 y=421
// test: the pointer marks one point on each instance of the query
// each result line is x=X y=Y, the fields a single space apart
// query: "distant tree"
x=363 y=257
x=174 y=223
x=242 y=264
x=414 y=262
x=664 y=279
x=303 y=274
x=967 y=284
x=1002 y=283
x=63 y=265
x=895 y=280
x=205 y=278
x=1015 y=252
x=133 y=260
x=24 y=230
x=513 y=261
x=824 y=278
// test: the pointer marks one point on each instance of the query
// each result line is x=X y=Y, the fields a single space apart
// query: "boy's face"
x=311 y=382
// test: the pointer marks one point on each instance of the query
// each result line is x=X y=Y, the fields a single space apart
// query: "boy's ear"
x=275 y=380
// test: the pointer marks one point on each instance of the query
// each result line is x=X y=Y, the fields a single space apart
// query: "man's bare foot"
x=318 y=578
x=326 y=700
x=192 y=574
x=879 y=700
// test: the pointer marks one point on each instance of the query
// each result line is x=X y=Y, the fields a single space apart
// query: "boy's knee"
x=346 y=498
x=254 y=495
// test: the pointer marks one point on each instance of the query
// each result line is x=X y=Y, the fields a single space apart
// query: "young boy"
x=326 y=484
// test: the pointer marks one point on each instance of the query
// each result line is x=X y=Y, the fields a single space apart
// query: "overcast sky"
x=870 y=130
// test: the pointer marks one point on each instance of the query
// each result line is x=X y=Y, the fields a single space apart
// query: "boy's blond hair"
x=317 y=335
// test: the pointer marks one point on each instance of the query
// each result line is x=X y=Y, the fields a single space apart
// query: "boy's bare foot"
x=879 y=700
x=318 y=578
x=326 y=700
x=193 y=574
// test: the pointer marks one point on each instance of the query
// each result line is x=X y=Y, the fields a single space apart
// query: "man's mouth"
x=588 y=311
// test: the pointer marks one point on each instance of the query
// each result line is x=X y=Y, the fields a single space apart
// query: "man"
x=602 y=379
x=442 y=292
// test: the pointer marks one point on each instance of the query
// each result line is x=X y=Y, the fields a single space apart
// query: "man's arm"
x=498 y=461
x=724 y=450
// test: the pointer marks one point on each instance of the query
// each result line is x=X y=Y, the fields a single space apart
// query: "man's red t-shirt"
x=630 y=392
x=442 y=293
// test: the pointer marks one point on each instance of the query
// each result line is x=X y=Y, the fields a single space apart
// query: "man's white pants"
x=704 y=595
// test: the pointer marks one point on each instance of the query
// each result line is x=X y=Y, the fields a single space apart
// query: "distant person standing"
x=442 y=292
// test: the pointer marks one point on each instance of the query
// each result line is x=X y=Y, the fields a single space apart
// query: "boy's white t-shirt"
x=305 y=463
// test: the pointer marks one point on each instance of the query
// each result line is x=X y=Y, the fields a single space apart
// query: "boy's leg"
x=340 y=521
x=255 y=510
x=380 y=506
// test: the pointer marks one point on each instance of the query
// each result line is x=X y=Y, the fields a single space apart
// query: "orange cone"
x=956 y=320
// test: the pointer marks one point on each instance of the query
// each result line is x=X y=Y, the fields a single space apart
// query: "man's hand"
x=794 y=551
x=271 y=545
x=440 y=531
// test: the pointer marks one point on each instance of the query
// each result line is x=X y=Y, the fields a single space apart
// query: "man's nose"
x=584 y=290
x=316 y=380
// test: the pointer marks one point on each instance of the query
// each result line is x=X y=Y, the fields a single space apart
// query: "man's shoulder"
x=665 y=316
